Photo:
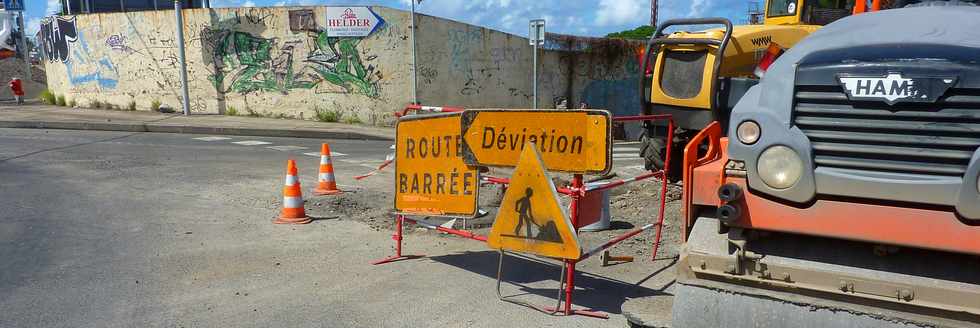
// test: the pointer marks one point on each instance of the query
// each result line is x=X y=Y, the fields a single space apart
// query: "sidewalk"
x=39 y=116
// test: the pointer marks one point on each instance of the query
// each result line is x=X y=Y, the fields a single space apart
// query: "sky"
x=577 y=17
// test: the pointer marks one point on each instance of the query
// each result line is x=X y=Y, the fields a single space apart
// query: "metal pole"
x=415 y=65
x=183 y=58
x=68 y=6
x=570 y=264
x=22 y=44
x=535 y=79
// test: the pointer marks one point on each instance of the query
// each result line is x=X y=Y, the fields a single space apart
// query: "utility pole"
x=415 y=64
x=22 y=43
x=183 y=59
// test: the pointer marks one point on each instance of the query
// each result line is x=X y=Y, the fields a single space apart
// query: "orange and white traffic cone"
x=292 y=199
x=326 y=183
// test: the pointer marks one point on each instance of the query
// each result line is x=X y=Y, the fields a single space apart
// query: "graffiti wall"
x=288 y=62
x=249 y=61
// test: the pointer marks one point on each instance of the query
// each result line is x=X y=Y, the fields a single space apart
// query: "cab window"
x=779 y=8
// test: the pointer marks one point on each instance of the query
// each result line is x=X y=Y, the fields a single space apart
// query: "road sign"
x=535 y=34
x=430 y=175
x=529 y=219
x=569 y=141
x=351 y=21
x=13 y=5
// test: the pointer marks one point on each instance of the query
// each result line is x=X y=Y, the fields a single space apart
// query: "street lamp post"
x=415 y=65
x=536 y=38
x=183 y=58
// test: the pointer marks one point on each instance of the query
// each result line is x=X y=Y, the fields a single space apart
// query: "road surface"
x=110 y=229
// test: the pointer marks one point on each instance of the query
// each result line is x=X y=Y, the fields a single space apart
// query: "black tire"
x=653 y=150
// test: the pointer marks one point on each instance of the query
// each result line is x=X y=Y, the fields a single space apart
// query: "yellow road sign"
x=569 y=141
x=529 y=219
x=430 y=175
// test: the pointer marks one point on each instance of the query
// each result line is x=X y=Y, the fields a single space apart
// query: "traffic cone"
x=292 y=199
x=326 y=184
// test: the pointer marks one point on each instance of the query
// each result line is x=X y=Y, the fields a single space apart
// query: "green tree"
x=643 y=32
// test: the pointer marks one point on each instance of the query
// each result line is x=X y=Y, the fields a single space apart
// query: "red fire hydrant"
x=17 y=89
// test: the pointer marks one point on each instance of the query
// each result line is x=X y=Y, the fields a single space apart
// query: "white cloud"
x=279 y=4
x=248 y=3
x=698 y=7
x=33 y=25
x=53 y=7
x=619 y=12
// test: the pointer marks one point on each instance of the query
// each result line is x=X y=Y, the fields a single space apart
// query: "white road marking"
x=286 y=148
x=251 y=143
x=212 y=138
x=626 y=149
x=369 y=161
x=332 y=153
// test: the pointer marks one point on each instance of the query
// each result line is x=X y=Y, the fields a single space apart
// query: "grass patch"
x=60 y=101
x=252 y=113
x=326 y=115
x=231 y=111
x=352 y=119
x=155 y=105
x=47 y=97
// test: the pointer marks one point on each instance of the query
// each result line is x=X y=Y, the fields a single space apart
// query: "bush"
x=352 y=119
x=326 y=115
x=95 y=104
x=155 y=105
x=231 y=111
x=47 y=97
x=252 y=113
x=73 y=103
x=60 y=100
x=131 y=106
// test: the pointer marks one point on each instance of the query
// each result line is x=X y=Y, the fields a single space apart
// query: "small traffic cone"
x=292 y=199
x=326 y=183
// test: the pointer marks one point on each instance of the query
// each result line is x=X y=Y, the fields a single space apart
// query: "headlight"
x=780 y=167
x=748 y=132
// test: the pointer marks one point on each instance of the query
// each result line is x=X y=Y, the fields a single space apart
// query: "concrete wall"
x=255 y=61
x=469 y=66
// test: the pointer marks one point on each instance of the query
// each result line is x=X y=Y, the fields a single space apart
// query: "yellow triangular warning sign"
x=529 y=219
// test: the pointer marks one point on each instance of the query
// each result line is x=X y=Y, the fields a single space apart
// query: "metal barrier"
x=576 y=191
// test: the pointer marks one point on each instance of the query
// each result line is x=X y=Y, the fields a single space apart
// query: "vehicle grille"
x=682 y=73
x=932 y=139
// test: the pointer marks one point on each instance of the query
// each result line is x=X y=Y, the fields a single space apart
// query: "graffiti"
x=105 y=74
x=470 y=88
x=56 y=35
x=252 y=16
x=504 y=55
x=245 y=62
x=117 y=42
x=428 y=74
x=338 y=62
x=460 y=60
x=250 y=64
x=302 y=20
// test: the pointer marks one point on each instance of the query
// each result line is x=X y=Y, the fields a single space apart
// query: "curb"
x=170 y=128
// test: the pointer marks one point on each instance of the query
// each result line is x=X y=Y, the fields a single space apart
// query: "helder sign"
x=352 y=21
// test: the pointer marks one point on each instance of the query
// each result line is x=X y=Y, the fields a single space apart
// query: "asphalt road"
x=110 y=229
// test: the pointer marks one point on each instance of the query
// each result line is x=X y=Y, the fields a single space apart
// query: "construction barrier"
x=576 y=191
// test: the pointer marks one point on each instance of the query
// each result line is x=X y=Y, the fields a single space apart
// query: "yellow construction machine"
x=699 y=76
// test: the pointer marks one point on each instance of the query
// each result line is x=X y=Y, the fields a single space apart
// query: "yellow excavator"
x=699 y=76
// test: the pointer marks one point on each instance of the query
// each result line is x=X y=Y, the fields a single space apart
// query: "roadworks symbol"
x=530 y=220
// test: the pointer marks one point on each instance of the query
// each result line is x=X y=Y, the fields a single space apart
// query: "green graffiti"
x=249 y=64
x=345 y=68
